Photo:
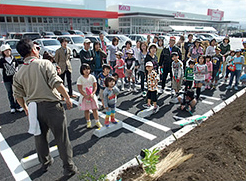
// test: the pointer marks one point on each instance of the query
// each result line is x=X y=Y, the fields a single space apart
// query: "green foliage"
x=150 y=160
x=87 y=176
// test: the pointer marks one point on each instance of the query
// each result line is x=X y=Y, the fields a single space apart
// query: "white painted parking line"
x=126 y=126
x=207 y=102
x=139 y=131
x=12 y=161
x=148 y=122
x=133 y=116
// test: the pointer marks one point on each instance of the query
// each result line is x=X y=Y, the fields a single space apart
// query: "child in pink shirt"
x=119 y=68
x=208 y=76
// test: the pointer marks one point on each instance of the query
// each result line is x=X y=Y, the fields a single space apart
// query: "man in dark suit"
x=166 y=60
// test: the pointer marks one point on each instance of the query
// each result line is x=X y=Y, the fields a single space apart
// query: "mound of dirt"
x=218 y=148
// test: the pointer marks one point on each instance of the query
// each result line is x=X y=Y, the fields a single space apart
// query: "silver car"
x=75 y=43
x=48 y=45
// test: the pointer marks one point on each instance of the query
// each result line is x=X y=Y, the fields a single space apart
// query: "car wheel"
x=75 y=54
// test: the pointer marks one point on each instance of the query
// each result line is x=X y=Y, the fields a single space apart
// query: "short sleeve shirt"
x=86 y=82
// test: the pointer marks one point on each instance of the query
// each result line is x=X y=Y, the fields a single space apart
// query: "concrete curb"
x=170 y=139
x=32 y=160
x=104 y=130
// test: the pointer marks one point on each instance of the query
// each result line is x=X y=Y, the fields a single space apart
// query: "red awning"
x=6 y=9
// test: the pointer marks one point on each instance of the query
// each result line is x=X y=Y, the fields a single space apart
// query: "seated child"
x=187 y=101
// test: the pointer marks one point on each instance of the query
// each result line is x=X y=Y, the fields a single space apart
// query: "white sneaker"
x=161 y=91
x=228 y=87
x=122 y=88
x=174 y=100
x=156 y=109
x=130 y=89
x=135 y=90
x=12 y=111
x=20 y=109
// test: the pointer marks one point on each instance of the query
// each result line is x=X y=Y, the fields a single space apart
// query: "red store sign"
x=124 y=8
x=179 y=15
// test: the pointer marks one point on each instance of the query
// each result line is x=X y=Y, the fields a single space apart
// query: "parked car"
x=136 y=37
x=95 y=38
x=200 y=36
x=75 y=43
x=48 y=45
x=10 y=35
x=122 y=40
x=12 y=43
x=237 y=35
x=51 y=36
x=45 y=33
x=88 y=33
x=76 y=32
x=97 y=32
x=30 y=35
x=61 y=32
x=211 y=36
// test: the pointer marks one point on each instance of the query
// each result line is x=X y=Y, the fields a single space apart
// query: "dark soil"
x=218 y=145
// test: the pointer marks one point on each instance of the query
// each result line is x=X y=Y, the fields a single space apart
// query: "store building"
x=134 y=19
x=38 y=16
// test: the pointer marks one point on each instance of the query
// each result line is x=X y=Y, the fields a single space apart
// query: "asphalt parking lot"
x=110 y=151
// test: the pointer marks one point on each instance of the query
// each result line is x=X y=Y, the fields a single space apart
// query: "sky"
x=234 y=10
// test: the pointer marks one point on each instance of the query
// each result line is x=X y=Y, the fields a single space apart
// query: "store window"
x=55 y=20
x=60 y=20
x=50 y=20
x=40 y=20
x=2 y=19
x=45 y=20
x=15 y=19
x=22 y=19
x=9 y=19
x=78 y=20
x=34 y=20
x=65 y=20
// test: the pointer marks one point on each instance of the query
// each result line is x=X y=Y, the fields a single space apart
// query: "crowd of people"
x=105 y=72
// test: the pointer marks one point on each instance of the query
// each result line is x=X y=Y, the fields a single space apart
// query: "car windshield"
x=110 y=38
x=49 y=33
x=124 y=38
x=12 y=44
x=65 y=33
x=51 y=42
x=78 y=40
x=107 y=40
x=79 y=33
x=32 y=36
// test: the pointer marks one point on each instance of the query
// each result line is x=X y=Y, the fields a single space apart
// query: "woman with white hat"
x=9 y=65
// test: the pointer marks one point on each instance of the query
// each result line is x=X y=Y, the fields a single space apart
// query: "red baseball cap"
x=172 y=38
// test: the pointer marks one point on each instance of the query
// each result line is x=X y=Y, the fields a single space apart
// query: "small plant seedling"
x=87 y=176
x=150 y=160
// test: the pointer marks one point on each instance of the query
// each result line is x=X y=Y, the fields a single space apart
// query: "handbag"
x=232 y=67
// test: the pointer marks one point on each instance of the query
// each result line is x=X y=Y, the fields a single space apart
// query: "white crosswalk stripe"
x=133 y=116
x=126 y=126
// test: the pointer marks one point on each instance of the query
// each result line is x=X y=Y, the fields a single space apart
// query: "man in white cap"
x=9 y=65
x=87 y=55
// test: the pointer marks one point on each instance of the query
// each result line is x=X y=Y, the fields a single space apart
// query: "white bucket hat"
x=5 y=47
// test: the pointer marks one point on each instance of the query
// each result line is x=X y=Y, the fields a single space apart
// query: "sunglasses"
x=37 y=47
